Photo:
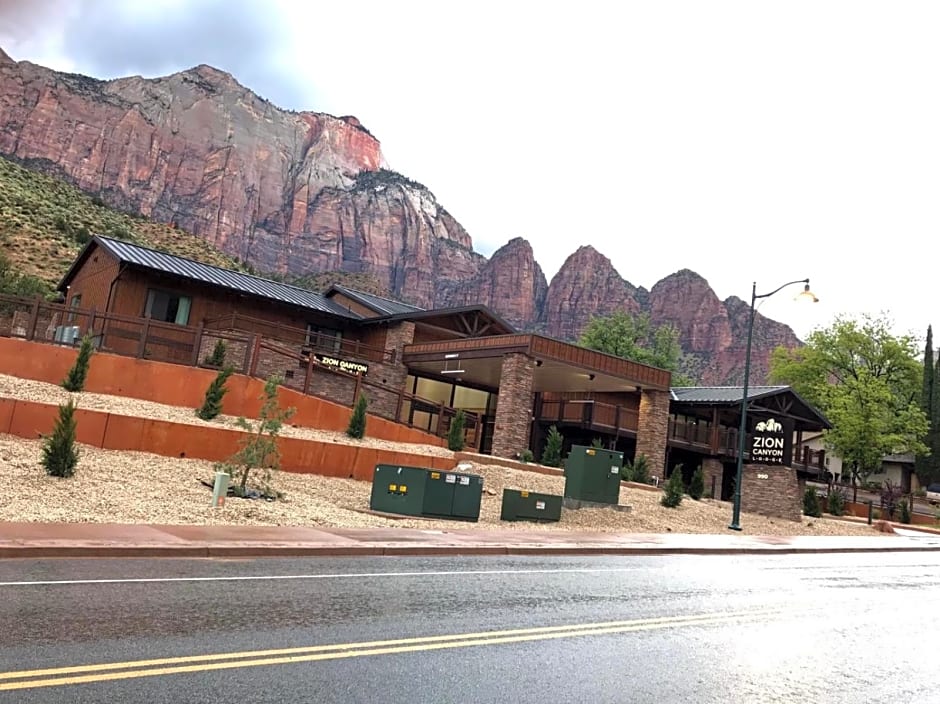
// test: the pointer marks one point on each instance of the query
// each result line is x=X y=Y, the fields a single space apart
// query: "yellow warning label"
x=403 y=489
x=393 y=487
x=524 y=494
x=590 y=452
x=435 y=475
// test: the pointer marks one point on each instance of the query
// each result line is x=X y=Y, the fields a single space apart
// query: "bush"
x=835 y=504
x=551 y=455
x=890 y=496
x=697 y=485
x=212 y=405
x=526 y=456
x=905 y=511
x=674 y=489
x=259 y=449
x=811 y=503
x=357 y=422
x=59 y=456
x=597 y=443
x=75 y=379
x=636 y=470
x=455 y=435
x=217 y=357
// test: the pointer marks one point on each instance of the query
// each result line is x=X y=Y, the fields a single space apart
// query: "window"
x=167 y=307
x=75 y=303
x=324 y=338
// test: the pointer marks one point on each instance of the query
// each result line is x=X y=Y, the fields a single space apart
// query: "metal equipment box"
x=521 y=505
x=417 y=491
x=593 y=474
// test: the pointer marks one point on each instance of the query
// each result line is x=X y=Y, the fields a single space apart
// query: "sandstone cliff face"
x=511 y=283
x=586 y=285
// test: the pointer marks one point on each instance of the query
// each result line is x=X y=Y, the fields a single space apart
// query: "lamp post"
x=806 y=295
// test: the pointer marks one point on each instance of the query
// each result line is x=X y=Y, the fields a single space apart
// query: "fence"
x=249 y=353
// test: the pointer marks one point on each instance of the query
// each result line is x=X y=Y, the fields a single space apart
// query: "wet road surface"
x=832 y=628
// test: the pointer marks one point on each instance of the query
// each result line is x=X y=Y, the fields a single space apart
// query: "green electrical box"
x=593 y=474
x=521 y=505
x=416 y=491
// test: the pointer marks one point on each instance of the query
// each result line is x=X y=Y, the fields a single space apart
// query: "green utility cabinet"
x=417 y=491
x=521 y=505
x=593 y=474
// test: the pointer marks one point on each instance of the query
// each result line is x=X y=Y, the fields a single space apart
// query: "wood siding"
x=93 y=280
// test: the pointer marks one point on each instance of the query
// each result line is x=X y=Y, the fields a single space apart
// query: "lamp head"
x=806 y=296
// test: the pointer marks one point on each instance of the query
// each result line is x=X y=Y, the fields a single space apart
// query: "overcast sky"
x=743 y=140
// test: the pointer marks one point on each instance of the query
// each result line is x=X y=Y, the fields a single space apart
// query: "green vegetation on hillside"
x=44 y=222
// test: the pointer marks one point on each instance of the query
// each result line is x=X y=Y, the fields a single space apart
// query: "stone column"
x=771 y=490
x=391 y=373
x=653 y=430
x=514 y=405
x=713 y=470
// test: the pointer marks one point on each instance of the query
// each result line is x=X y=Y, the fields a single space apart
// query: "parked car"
x=933 y=494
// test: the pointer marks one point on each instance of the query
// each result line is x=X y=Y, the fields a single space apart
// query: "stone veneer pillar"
x=713 y=470
x=393 y=373
x=514 y=405
x=653 y=430
x=771 y=490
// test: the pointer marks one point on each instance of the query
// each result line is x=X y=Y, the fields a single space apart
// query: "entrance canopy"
x=560 y=366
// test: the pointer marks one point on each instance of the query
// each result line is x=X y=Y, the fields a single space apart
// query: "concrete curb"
x=261 y=551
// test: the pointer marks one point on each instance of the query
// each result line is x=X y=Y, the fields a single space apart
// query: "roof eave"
x=79 y=262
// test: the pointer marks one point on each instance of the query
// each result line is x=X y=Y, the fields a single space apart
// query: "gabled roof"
x=731 y=396
x=381 y=305
x=501 y=327
x=135 y=255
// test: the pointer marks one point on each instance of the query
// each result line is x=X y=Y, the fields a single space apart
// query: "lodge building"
x=415 y=366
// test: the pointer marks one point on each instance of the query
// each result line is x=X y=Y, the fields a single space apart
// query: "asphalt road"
x=833 y=628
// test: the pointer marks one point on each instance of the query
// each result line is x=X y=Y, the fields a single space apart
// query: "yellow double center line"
x=104 y=672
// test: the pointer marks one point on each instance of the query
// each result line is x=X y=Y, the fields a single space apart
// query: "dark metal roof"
x=136 y=255
x=721 y=394
x=504 y=326
x=381 y=305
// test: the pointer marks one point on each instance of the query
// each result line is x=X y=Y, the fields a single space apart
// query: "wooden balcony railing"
x=590 y=414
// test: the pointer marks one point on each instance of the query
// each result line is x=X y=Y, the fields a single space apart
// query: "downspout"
x=107 y=305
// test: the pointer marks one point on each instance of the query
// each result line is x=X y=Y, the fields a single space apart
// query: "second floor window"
x=167 y=307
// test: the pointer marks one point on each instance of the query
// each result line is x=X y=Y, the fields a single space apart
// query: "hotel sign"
x=344 y=365
x=770 y=443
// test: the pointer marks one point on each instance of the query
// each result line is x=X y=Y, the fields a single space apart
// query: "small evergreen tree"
x=217 y=357
x=259 y=449
x=212 y=405
x=697 y=485
x=636 y=471
x=551 y=455
x=674 y=489
x=357 y=422
x=455 y=436
x=597 y=443
x=59 y=455
x=811 y=503
x=905 y=511
x=75 y=379
x=836 y=501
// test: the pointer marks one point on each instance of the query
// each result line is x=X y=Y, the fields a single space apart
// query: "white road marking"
x=358 y=575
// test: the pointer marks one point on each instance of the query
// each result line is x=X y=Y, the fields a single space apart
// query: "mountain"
x=205 y=161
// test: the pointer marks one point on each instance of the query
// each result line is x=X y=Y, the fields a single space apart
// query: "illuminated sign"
x=344 y=365
x=769 y=443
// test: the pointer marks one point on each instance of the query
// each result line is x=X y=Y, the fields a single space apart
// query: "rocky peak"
x=5 y=58
x=511 y=283
x=685 y=300
x=587 y=284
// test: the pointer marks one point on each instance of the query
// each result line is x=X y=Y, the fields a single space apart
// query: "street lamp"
x=807 y=296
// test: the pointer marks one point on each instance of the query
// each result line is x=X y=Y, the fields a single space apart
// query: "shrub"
x=836 y=502
x=551 y=455
x=890 y=495
x=597 y=443
x=75 y=379
x=905 y=511
x=259 y=449
x=455 y=435
x=59 y=455
x=212 y=405
x=636 y=470
x=527 y=456
x=217 y=356
x=674 y=489
x=697 y=485
x=357 y=422
x=811 y=503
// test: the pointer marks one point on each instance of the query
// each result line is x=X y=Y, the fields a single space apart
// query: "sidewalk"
x=42 y=540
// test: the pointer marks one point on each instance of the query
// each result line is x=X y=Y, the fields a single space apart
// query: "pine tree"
x=551 y=455
x=455 y=436
x=357 y=422
x=212 y=405
x=217 y=357
x=674 y=489
x=924 y=465
x=75 y=379
x=59 y=455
